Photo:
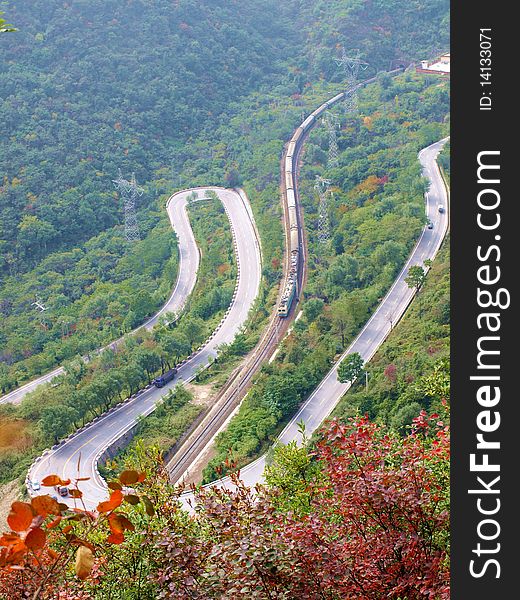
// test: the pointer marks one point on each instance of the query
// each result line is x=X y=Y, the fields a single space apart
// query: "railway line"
x=185 y=458
x=325 y=397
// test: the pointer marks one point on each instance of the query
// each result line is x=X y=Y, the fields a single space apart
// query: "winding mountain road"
x=78 y=455
x=188 y=266
x=390 y=310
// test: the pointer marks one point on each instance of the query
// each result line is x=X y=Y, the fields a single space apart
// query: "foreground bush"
x=364 y=516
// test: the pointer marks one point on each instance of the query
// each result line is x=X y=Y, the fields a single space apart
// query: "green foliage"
x=350 y=368
x=86 y=390
x=293 y=475
x=376 y=214
x=416 y=277
x=5 y=27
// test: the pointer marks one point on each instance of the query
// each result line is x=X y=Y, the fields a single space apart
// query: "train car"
x=291 y=199
x=293 y=220
x=291 y=148
x=287 y=298
x=307 y=123
x=297 y=134
x=336 y=99
x=316 y=113
x=295 y=241
x=285 y=304
x=289 y=181
x=289 y=163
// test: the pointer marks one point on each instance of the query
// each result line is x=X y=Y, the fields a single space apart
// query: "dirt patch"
x=202 y=393
x=9 y=492
x=14 y=435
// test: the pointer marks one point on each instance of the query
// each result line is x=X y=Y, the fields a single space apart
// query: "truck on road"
x=163 y=379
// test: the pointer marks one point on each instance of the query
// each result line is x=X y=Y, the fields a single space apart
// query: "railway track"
x=204 y=430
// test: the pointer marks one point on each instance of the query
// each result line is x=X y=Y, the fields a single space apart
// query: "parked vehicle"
x=441 y=208
x=63 y=490
x=163 y=379
x=35 y=486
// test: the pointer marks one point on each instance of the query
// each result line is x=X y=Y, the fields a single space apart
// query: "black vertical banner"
x=485 y=236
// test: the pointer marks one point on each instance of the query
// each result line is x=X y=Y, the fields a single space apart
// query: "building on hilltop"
x=441 y=66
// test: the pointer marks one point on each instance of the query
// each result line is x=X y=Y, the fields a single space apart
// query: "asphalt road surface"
x=78 y=455
x=327 y=395
x=188 y=267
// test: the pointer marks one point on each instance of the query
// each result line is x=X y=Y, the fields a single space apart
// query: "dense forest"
x=90 y=87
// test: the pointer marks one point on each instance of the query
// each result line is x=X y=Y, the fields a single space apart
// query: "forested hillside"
x=152 y=87
x=87 y=88
x=376 y=214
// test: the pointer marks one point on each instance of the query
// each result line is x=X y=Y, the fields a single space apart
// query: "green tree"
x=350 y=368
x=57 y=421
x=313 y=309
x=416 y=277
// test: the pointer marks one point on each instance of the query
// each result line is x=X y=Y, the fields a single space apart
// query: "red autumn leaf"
x=8 y=539
x=74 y=493
x=141 y=478
x=45 y=505
x=129 y=477
x=115 y=485
x=52 y=480
x=115 y=538
x=35 y=539
x=116 y=497
x=119 y=523
x=20 y=517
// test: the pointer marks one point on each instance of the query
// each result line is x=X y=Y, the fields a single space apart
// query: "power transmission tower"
x=351 y=66
x=322 y=188
x=129 y=191
x=40 y=306
x=331 y=123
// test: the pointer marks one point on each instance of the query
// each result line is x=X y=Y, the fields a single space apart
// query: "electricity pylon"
x=351 y=66
x=129 y=190
x=331 y=123
x=322 y=188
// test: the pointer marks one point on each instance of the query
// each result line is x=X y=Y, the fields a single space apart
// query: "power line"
x=351 y=67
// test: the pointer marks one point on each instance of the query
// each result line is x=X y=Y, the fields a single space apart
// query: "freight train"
x=291 y=158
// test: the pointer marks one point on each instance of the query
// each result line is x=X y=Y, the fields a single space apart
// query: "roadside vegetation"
x=398 y=375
